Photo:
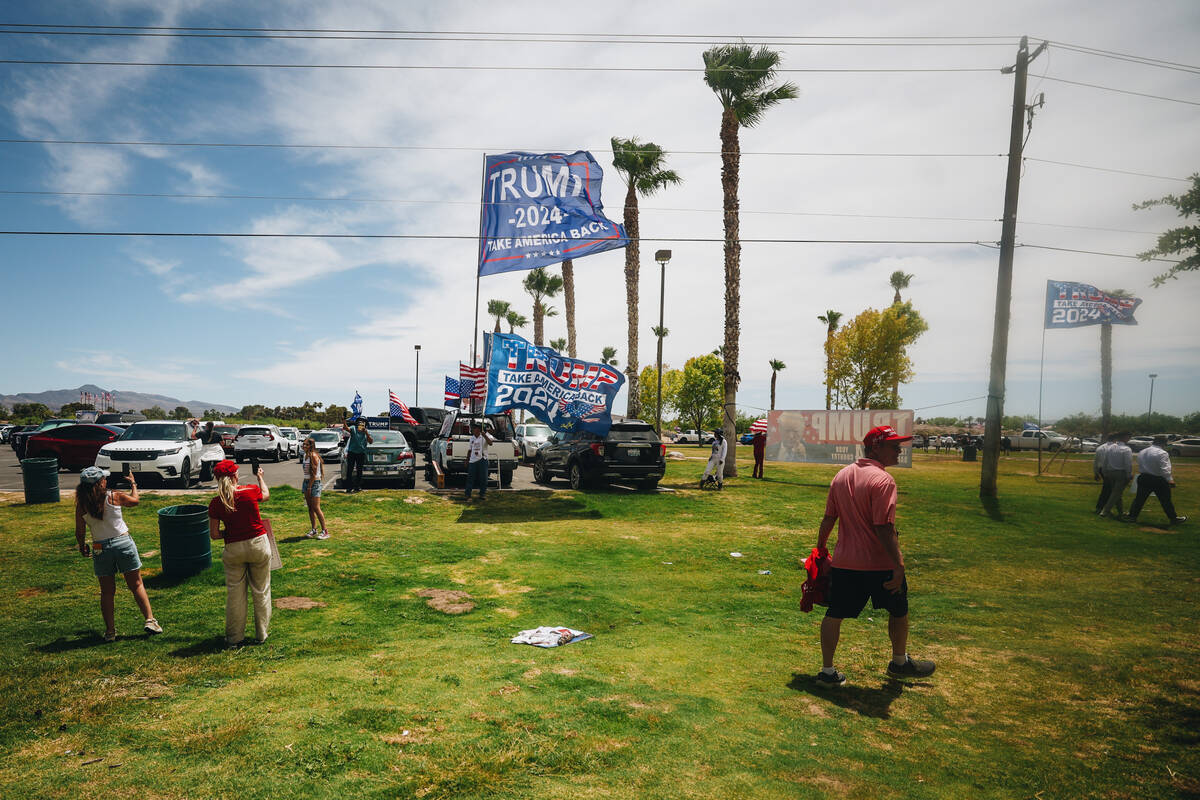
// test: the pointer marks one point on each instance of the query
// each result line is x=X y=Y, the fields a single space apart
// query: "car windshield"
x=254 y=431
x=631 y=433
x=389 y=438
x=537 y=430
x=172 y=431
x=289 y=434
x=323 y=436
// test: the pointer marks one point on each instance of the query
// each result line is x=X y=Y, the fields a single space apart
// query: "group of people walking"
x=1113 y=464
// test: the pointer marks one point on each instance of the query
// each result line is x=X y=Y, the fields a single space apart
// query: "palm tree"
x=662 y=332
x=642 y=164
x=831 y=319
x=568 y=279
x=498 y=309
x=899 y=280
x=541 y=285
x=558 y=344
x=608 y=356
x=1106 y=367
x=743 y=79
x=776 y=365
x=515 y=319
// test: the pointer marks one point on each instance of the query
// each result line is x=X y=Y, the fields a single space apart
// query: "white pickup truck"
x=1037 y=440
x=165 y=449
x=449 y=449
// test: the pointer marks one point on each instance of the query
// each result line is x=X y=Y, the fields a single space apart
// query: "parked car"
x=329 y=445
x=449 y=452
x=1139 y=443
x=228 y=433
x=429 y=423
x=1050 y=441
x=530 y=436
x=1184 y=447
x=293 y=439
x=18 y=439
x=389 y=459
x=263 y=442
x=304 y=432
x=5 y=430
x=164 y=449
x=693 y=437
x=630 y=453
x=122 y=417
x=75 y=446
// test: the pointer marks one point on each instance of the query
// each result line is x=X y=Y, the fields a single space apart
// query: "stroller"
x=710 y=482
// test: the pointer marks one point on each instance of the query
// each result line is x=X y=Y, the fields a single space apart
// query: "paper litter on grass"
x=549 y=637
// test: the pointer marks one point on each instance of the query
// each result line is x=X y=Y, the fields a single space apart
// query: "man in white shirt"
x=716 y=461
x=477 y=475
x=1098 y=471
x=1154 y=468
x=1117 y=469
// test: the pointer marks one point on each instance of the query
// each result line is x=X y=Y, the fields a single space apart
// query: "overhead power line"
x=1120 y=91
x=1105 y=169
x=1144 y=60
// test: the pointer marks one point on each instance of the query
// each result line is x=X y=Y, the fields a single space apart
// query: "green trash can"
x=40 y=476
x=183 y=540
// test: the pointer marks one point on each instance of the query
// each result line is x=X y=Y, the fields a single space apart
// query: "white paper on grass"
x=547 y=636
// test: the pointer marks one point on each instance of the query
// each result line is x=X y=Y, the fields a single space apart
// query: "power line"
x=1121 y=91
x=1144 y=60
x=465 y=67
x=1096 y=253
x=1105 y=169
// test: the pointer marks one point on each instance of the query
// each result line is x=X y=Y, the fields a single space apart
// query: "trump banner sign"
x=541 y=209
x=1073 y=305
x=831 y=437
x=565 y=393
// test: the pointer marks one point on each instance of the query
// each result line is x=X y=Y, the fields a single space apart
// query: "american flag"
x=759 y=426
x=478 y=378
x=580 y=409
x=396 y=408
x=453 y=392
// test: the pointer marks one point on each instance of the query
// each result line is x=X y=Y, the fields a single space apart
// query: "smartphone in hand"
x=254 y=466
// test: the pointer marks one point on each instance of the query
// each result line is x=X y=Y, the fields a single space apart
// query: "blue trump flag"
x=541 y=209
x=356 y=406
x=565 y=393
x=1073 y=305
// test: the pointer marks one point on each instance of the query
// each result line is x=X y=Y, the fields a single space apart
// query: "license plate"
x=633 y=452
x=133 y=467
x=379 y=458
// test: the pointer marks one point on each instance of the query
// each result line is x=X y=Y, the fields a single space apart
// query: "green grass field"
x=1067 y=651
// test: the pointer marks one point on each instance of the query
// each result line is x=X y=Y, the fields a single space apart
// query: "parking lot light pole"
x=1150 y=409
x=417 y=377
x=662 y=257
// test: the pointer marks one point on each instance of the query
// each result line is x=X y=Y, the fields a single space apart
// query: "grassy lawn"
x=1067 y=651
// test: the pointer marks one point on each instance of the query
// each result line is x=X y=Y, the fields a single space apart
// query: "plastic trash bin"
x=969 y=451
x=183 y=540
x=40 y=477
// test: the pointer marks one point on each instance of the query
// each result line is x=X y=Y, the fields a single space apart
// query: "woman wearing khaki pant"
x=233 y=516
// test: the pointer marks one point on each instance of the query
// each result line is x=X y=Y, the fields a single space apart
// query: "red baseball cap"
x=883 y=433
x=225 y=467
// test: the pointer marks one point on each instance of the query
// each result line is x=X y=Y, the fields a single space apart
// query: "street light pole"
x=1150 y=410
x=662 y=257
x=417 y=377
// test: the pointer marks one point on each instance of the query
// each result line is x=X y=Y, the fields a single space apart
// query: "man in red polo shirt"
x=867 y=563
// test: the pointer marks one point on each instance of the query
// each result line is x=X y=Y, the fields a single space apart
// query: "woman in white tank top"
x=314 y=472
x=112 y=549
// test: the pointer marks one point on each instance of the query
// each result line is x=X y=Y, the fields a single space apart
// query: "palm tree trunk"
x=774 y=375
x=537 y=322
x=730 y=161
x=829 y=369
x=632 y=270
x=498 y=325
x=1105 y=379
x=568 y=276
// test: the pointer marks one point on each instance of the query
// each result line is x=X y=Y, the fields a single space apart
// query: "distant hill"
x=123 y=401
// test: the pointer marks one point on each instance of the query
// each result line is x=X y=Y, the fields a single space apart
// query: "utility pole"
x=1008 y=233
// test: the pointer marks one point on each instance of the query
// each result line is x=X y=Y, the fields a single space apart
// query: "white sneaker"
x=312 y=534
x=323 y=535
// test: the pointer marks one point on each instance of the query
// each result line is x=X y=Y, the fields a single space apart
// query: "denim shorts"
x=118 y=554
x=316 y=488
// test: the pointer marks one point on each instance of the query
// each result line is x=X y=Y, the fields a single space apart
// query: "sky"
x=869 y=150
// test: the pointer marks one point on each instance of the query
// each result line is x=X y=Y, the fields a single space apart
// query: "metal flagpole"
x=478 y=267
x=1041 y=372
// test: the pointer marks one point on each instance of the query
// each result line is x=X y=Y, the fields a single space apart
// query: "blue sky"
x=281 y=321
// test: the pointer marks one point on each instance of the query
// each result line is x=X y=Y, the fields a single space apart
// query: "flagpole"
x=1041 y=372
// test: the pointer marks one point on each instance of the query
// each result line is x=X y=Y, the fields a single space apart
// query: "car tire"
x=185 y=475
x=576 y=477
x=540 y=473
x=411 y=483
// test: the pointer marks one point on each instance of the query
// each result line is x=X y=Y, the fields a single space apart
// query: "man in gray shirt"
x=1154 y=468
x=1117 y=469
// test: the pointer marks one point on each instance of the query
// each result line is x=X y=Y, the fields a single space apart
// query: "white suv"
x=263 y=442
x=293 y=439
x=165 y=449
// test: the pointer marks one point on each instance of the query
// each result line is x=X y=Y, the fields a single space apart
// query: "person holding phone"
x=314 y=470
x=112 y=549
x=233 y=516
x=356 y=454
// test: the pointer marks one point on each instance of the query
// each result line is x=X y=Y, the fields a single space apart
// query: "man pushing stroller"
x=714 y=472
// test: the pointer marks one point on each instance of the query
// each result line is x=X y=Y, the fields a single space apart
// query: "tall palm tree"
x=558 y=344
x=642 y=164
x=899 y=280
x=743 y=79
x=1106 y=367
x=498 y=309
x=515 y=319
x=541 y=285
x=831 y=319
x=609 y=356
x=568 y=279
x=776 y=365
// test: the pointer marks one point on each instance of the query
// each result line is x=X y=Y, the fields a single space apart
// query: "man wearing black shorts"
x=867 y=562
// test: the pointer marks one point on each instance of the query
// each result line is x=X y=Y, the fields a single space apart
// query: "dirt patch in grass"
x=447 y=601
x=149 y=554
x=414 y=500
x=33 y=591
x=407 y=736
x=297 y=603
x=318 y=552
x=508 y=612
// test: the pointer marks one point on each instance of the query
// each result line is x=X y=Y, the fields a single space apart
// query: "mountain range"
x=122 y=400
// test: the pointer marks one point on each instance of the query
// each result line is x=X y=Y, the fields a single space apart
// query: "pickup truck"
x=1036 y=440
x=419 y=436
x=449 y=448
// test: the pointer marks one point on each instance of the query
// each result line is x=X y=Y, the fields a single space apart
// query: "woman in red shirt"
x=247 y=555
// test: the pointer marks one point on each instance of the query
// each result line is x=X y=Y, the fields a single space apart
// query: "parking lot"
x=285 y=473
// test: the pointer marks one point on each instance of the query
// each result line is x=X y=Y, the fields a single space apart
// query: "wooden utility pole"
x=1008 y=233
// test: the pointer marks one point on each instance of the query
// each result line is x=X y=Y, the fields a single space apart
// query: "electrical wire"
x=1105 y=169
x=1121 y=91
x=1096 y=253
x=953 y=402
x=1143 y=60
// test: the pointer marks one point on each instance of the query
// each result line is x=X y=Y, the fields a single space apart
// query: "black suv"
x=630 y=453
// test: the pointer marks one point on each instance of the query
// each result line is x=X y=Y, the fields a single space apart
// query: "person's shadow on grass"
x=83 y=639
x=862 y=700
x=213 y=644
